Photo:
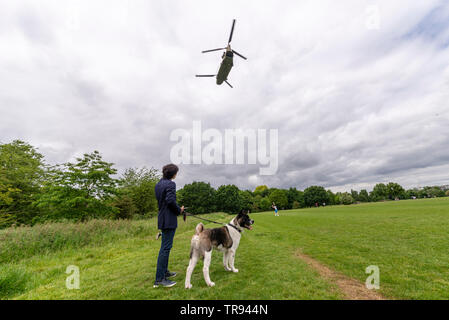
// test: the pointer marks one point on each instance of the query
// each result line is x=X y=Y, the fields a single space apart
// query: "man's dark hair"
x=169 y=171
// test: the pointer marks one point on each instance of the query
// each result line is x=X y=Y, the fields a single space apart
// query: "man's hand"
x=183 y=212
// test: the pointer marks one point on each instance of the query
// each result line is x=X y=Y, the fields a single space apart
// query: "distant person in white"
x=275 y=209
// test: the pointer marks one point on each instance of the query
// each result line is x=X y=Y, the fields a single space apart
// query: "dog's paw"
x=189 y=286
x=211 y=284
x=235 y=270
x=227 y=269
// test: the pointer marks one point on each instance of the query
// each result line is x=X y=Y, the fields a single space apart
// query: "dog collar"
x=235 y=227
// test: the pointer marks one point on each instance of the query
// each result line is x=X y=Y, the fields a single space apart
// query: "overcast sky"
x=358 y=90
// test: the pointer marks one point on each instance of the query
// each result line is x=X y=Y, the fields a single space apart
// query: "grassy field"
x=407 y=240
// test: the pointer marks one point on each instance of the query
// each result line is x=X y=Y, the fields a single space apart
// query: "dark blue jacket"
x=168 y=208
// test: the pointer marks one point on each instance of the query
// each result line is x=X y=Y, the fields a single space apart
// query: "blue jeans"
x=164 y=253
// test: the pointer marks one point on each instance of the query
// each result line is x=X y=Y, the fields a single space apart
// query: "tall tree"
x=355 y=195
x=293 y=196
x=315 y=194
x=197 y=197
x=364 y=196
x=247 y=199
x=379 y=192
x=227 y=199
x=21 y=176
x=80 y=190
x=346 y=198
x=279 y=197
x=394 y=190
x=265 y=204
x=138 y=185
x=332 y=197
x=261 y=190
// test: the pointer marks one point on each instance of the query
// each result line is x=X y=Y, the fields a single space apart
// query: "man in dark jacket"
x=167 y=222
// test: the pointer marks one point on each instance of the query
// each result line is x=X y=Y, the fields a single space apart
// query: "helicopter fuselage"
x=225 y=67
x=227 y=61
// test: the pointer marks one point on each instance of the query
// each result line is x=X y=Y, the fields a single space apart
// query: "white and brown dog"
x=225 y=239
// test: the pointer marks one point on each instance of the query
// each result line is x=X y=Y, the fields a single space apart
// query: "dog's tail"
x=199 y=228
x=194 y=244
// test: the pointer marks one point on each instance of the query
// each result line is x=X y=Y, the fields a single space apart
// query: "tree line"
x=32 y=191
x=201 y=197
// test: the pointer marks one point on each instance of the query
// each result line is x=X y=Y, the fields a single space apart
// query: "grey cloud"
x=352 y=106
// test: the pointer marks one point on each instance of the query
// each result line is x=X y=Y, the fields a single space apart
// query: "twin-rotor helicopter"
x=226 y=63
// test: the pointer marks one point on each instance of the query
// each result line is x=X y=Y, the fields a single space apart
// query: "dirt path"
x=352 y=289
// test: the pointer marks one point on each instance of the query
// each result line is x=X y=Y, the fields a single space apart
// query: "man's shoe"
x=164 y=283
x=170 y=274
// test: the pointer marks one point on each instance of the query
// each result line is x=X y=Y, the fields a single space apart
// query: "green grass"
x=408 y=240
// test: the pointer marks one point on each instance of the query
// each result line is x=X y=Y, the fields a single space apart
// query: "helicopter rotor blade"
x=239 y=55
x=204 y=75
x=218 y=49
x=228 y=84
x=232 y=31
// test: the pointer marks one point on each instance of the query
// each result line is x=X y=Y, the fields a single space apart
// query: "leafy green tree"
x=261 y=203
x=411 y=193
x=247 y=200
x=125 y=207
x=21 y=177
x=355 y=195
x=423 y=194
x=332 y=198
x=198 y=197
x=364 y=196
x=138 y=185
x=227 y=199
x=380 y=192
x=279 y=197
x=315 y=194
x=261 y=190
x=265 y=204
x=296 y=205
x=433 y=192
x=346 y=198
x=394 y=190
x=78 y=191
x=293 y=196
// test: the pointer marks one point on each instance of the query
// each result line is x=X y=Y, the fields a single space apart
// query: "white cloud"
x=353 y=105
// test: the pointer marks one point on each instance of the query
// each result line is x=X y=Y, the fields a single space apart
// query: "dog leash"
x=159 y=234
x=220 y=223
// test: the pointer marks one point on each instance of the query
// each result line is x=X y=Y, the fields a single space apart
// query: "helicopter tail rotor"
x=205 y=75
